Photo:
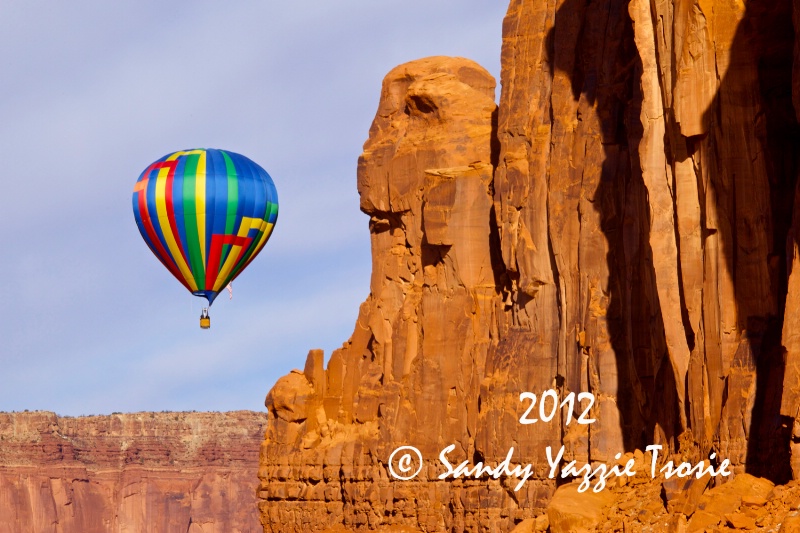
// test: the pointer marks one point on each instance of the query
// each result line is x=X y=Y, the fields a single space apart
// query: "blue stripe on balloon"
x=250 y=201
x=235 y=176
x=260 y=204
x=246 y=188
x=211 y=198
x=219 y=183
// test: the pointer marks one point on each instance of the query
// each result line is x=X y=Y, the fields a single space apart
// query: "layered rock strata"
x=139 y=472
x=625 y=226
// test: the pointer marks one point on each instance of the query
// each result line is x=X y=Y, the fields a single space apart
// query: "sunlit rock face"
x=413 y=369
x=155 y=472
x=622 y=224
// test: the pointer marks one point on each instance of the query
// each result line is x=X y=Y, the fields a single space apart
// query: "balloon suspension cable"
x=205 y=320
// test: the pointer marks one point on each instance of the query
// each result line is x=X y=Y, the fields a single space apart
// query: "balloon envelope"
x=205 y=214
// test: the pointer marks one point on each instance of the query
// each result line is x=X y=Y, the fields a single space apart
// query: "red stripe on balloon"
x=172 y=165
x=243 y=250
x=217 y=242
x=161 y=253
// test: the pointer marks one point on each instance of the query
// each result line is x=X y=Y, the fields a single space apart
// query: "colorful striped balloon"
x=205 y=214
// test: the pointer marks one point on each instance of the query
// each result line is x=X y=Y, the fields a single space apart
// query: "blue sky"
x=93 y=92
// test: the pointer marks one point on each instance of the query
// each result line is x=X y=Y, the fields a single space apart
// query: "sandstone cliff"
x=138 y=472
x=623 y=224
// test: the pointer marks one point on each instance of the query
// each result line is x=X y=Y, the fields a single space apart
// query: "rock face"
x=623 y=224
x=413 y=369
x=747 y=503
x=139 y=472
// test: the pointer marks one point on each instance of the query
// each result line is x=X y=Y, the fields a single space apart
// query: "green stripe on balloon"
x=233 y=203
x=190 y=216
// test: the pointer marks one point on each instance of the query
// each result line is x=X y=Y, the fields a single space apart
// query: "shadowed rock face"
x=658 y=165
x=160 y=472
x=624 y=224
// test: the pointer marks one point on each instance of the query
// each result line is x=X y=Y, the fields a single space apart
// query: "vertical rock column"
x=574 y=228
x=643 y=198
x=723 y=77
x=411 y=373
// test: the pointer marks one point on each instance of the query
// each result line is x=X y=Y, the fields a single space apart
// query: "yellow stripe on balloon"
x=266 y=227
x=166 y=229
x=200 y=196
x=247 y=224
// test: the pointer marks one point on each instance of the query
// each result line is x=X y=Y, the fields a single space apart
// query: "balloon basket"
x=205 y=320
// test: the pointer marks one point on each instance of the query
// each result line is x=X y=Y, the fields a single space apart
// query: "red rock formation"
x=154 y=472
x=642 y=172
x=413 y=368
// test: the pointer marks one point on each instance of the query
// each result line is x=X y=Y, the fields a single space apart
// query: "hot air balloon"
x=205 y=214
